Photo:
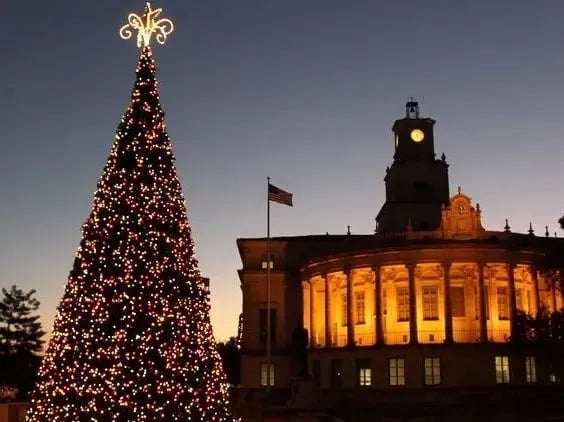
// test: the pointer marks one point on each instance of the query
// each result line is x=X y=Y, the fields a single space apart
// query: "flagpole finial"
x=146 y=25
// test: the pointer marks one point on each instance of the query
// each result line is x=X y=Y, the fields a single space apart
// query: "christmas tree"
x=132 y=339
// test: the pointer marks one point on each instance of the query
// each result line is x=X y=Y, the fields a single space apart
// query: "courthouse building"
x=421 y=309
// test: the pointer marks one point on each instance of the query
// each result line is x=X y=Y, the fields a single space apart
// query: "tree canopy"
x=20 y=328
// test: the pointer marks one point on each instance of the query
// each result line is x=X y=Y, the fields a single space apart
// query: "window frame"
x=364 y=373
x=530 y=369
x=264 y=372
x=502 y=369
x=430 y=303
x=400 y=380
x=360 y=307
x=436 y=377
x=403 y=314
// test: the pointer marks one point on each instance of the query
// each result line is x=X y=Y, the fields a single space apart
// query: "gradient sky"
x=304 y=91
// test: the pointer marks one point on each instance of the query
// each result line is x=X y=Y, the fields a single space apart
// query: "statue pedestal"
x=304 y=393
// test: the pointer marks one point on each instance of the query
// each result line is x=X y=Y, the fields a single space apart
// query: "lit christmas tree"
x=132 y=339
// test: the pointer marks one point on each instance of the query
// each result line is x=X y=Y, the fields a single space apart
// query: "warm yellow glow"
x=147 y=25
x=417 y=135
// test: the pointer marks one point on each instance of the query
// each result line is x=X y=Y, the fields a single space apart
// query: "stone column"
x=447 y=303
x=378 y=326
x=535 y=278
x=327 y=311
x=413 y=339
x=305 y=305
x=482 y=298
x=312 y=339
x=350 y=313
x=512 y=298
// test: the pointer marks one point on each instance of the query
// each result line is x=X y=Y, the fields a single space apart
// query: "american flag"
x=278 y=195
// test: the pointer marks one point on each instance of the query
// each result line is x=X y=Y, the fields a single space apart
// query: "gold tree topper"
x=147 y=25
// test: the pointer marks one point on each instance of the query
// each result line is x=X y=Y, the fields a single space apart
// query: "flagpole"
x=268 y=334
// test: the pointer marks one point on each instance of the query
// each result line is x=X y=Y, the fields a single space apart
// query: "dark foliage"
x=20 y=340
x=231 y=358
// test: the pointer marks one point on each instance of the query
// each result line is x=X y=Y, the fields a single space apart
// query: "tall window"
x=266 y=374
x=344 y=316
x=502 y=305
x=364 y=372
x=397 y=371
x=457 y=301
x=430 y=303
x=359 y=307
x=531 y=369
x=263 y=325
x=502 y=369
x=403 y=303
x=336 y=373
x=432 y=371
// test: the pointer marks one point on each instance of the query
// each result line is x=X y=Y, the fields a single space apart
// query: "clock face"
x=396 y=140
x=417 y=135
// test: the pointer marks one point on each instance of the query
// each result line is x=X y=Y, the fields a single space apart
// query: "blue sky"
x=303 y=91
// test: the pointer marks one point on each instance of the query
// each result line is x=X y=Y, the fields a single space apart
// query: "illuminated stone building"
x=419 y=312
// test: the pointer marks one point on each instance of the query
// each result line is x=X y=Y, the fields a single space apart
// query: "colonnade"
x=329 y=302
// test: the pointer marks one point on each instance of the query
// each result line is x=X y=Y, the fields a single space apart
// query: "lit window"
x=266 y=374
x=364 y=372
x=359 y=307
x=502 y=313
x=344 y=319
x=502 y=369
x=403 y=303
x=553 y=378
x=432 y=371
x=457 y=301
x=264 y=264
x=397 y=371
x=531 y=368
x=430 y=303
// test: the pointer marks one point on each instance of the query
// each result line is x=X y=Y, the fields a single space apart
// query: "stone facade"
x=404 y=312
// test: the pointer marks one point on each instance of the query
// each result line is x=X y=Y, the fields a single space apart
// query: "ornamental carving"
x=460 y=220
x=390 y=273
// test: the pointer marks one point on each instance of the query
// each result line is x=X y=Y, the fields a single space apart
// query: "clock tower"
x=417 y=182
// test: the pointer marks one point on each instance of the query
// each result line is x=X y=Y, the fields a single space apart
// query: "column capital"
x=376 y=267
x=447 y=264
x=410 y=266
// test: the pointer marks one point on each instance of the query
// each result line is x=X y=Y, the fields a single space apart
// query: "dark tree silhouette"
x=20 y=339
x=231 y=357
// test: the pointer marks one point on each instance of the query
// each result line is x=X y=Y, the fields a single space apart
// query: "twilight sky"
x=304 y=91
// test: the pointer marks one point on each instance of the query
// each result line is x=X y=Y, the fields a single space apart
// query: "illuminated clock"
x=396 y=139
x=417 y=135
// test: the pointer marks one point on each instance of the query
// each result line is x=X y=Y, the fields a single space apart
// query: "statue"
x=299 y=350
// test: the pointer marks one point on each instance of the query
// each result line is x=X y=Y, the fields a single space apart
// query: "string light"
x=132 y=339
